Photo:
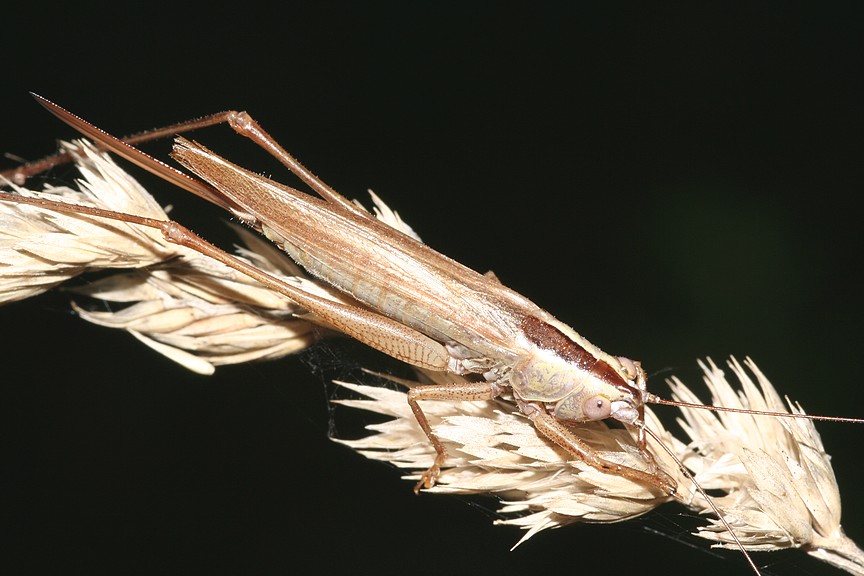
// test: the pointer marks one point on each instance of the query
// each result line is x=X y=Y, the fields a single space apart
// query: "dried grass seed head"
x=780 y=489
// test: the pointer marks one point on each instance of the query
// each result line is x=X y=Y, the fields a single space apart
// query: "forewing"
x=392 y=273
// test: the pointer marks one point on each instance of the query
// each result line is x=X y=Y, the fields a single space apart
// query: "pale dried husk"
x=192 y=309
x=780 y=488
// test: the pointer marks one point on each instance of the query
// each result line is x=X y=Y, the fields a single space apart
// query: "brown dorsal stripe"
x=549 y=337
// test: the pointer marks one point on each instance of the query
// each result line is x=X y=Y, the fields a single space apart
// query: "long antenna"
x=708 y=499
x=657 y=400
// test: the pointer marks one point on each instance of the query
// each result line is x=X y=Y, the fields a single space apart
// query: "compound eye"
x=597 y=408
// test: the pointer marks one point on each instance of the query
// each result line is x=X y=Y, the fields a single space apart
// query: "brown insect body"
x=485 y=327
x=410 y=301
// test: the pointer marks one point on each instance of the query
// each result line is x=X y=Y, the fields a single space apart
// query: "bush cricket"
x=406 y=300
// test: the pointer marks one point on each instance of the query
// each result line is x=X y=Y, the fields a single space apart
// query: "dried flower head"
x=780 y=489
x=192 y=309
x=39 y=248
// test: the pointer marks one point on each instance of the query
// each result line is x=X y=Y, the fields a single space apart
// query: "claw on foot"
x=431 y=475
x=667 y=484
x=428 y=479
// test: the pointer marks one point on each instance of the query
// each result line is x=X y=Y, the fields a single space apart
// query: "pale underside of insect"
x=422 y=308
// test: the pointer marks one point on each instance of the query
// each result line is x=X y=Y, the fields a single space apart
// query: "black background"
x=674 y=182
